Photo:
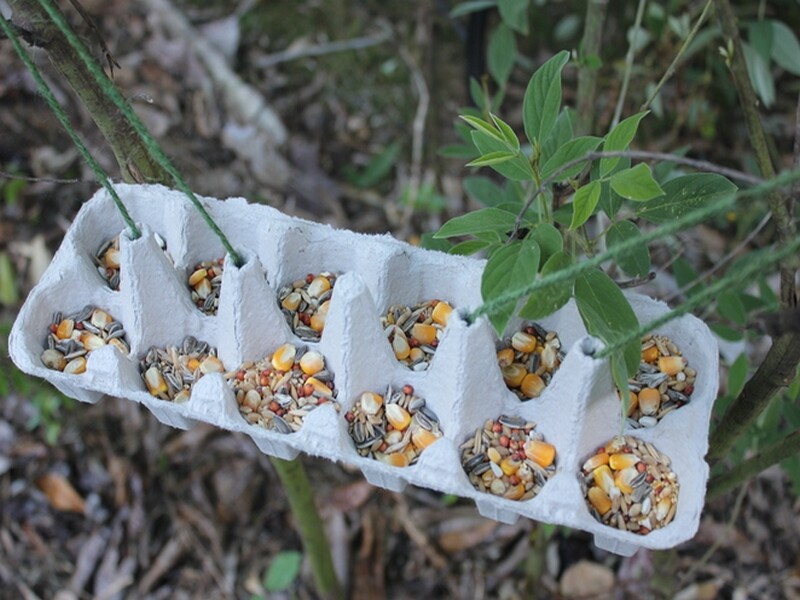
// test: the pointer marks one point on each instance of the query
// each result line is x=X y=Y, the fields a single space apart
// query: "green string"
x=689 y=219
x=47 y=94
x=150 y=143
x=731 y=280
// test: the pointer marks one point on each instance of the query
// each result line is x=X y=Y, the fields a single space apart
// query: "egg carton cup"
x=463 y=385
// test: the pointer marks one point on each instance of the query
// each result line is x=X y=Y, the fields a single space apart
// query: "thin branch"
x=97 y=36
x=746 y=470
x=587 y=75
x=674 y=64
x=6 y=175
x=636 y=281
x=637 y=27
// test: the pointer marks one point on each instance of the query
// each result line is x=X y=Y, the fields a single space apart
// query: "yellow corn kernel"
x=515 y=492
x=397 y=416
x=111 y=258
x=312 y=362
x=197 y=277
x=532 y=385
x=604 y=478
x=416 y=354
x=649 y=401
x=622 y=461
x=91 y=341
x=155 y=382
x=424 y=334
x=600 y=500
x=76 y=366
x=662 y=508
x=283 y=358
x=623 y=478
x=650 y=355
x=292 y=301
x=509 y=465
x=371 y=402
x=671 y=365
x=400 y=344
x=203 y=288
x=422 y=438
x=181 y=397
x=53 y=359
x=319 y=387
x=323 y=308
x=542 y=453
x=192 y=364
x=494 y=455
x=211 y=364
x=317 y=322
x=119 y=345
x=505 y=357
x=318 y=286
x=65 y=329
x=396 y=459
x=634 y=403
x=595 y=461
x=513 y=374
x=100 y=318
x=523 y=342
x=441 y=313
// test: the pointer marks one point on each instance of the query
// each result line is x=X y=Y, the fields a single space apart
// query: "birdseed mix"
x=169 y=373
x=528 y=359
x=414 y=331
x=205 y=282
x=305 y=304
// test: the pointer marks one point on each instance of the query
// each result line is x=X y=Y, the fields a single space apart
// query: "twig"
x=360 y=43
x=637 y=26
x=587 y=75
x=417 y=535
x=745 y=470
x=97 y=36
x=673 y=65
x=636 y=281
x=6 y=175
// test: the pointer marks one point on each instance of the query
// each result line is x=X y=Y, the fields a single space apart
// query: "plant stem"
x=674 y=64
x=786 y=448
x=587 y=74
x=781 y=361
x=134 y=160
x=637 y=26
x=312 y=533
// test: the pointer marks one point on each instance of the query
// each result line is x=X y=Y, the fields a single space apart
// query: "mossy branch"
x=751 y=467
x=781 y=361
x=135 y=163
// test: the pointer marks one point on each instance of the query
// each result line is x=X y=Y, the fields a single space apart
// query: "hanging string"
x=731 y=280
x=50 y=98
x=688 y=220
x=150 y=143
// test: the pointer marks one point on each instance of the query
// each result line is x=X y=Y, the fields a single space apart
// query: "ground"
x=103 y=501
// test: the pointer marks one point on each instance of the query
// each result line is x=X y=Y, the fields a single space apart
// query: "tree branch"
x=587 y=74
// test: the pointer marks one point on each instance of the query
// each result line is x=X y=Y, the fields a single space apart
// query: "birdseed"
x=414 y=332
x=279 y=391
x=305 y=302
x=205 y=282
x=628 y=484
x=394 y=428
x=663 y=383
x=169 y=373
x=107 y=259
x=507 y=457
x=72 y=338
x=528 y=359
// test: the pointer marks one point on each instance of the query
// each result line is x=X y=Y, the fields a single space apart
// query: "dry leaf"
x=351 y=496
x=60 y=493
x=464 y=533
x=586 y=579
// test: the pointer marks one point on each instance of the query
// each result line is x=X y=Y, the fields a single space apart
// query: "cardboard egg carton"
x=463 y=385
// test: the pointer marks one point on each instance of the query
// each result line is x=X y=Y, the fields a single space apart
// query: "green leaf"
x=493 y=158
x=476 y=92
x=511 y=267
x=517 y=168
x=485 y=219
x=620 y=376
x=546 y=301
x=785 y=48
x=760 y=75
x=542 y=101
x=726 y=333
x=457 y=151
x=610 y=201
x=484 y=190
x=607 y=314
x=508 y=133
x=760 y=34
x=737 y=375
x=548 y=238
x=572 y=150
x=636 y=261
x=560 y=134
x=377 y=169
x=9 y=292
x=485 y=127
x=429 y=242
x=618 y=140
x=584 y=202
x=684 y=194
x=730 y=306
x=501 y=54
x=283 y=570
x=515 y=14
x=472 y=6
x=469 y=247
x=636 y=184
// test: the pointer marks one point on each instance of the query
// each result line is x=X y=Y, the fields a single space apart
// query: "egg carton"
x=463 y=385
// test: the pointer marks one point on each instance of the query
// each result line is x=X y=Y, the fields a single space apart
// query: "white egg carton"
x=577 y=412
